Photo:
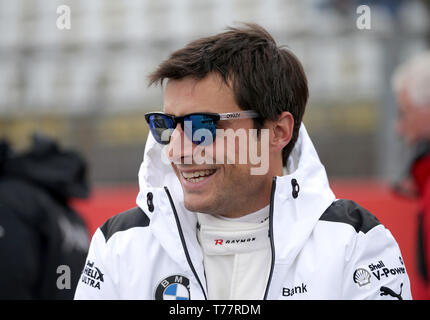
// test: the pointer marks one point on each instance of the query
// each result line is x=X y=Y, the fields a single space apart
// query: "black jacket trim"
x=184 y=245
x=421 y=249
x=131 y=218
x=272 y=238
x=347 y=211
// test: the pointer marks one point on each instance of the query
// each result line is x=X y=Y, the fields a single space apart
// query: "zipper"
x=272 y=244
x=184 y=245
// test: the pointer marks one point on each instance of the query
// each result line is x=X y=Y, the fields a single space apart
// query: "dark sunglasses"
x=162 y=125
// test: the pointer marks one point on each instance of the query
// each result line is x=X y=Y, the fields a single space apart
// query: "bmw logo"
x=175 y=287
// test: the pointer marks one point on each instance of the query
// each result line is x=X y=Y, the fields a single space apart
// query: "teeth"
x=196 y=180
x=197 y=176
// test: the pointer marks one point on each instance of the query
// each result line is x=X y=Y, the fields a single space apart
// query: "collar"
x=226 y=237
x=258 y=216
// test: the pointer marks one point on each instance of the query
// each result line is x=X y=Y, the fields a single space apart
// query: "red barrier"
x=396 y=213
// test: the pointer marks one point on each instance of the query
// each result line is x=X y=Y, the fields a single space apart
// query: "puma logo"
x=385 y=291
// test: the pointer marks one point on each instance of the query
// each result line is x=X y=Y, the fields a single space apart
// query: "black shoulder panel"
x=131 y=218
x=347 y=211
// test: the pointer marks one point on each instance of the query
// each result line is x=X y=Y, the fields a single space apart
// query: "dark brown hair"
x=264 y=77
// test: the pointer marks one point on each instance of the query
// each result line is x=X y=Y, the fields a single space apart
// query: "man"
x=210 y=225
x=411 y=83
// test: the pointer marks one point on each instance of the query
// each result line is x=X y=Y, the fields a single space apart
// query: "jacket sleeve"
x=98 y=279
x=375 y=268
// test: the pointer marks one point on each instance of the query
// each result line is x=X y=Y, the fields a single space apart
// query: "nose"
x=180 y=148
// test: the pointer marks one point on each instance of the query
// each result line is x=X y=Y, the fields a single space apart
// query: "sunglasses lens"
x=161 y=127
x=199 y=128
x=203 y=129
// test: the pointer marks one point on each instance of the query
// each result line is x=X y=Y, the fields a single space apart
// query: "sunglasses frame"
x=246 y=114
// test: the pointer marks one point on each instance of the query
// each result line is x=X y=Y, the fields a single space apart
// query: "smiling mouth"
x=198 y=175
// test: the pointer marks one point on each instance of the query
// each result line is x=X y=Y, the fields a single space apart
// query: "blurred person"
x=411 y=82
x=43 y=241
x=216 y=229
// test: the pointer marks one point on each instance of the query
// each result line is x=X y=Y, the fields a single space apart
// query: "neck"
x=250 y=204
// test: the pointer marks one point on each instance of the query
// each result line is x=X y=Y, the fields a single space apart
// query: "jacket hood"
x=61 y=172
x=301 y=195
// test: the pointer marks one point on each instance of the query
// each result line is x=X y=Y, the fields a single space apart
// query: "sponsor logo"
x=289 y=292
x=376 y=266
x=380 y=270
x=233 y=115
x=92 y=276
x=361 y=277
x=386 y=272
x=233 y=241
x=385 y=291
x=175 y=287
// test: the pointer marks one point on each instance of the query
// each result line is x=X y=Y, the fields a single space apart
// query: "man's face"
x=227 y=189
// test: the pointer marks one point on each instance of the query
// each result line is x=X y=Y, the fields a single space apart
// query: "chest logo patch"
x=175 y=287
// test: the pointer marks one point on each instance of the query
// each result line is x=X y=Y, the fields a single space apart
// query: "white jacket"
x=322 y=248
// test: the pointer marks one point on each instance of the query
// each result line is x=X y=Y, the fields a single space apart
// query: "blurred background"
x=86 y=86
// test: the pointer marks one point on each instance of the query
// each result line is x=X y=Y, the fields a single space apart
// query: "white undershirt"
x=236 y=255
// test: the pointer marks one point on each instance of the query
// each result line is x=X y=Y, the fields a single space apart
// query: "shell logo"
x=361 y=277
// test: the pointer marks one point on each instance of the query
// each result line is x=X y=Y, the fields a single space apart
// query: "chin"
x=193 y=206
x=196 y=205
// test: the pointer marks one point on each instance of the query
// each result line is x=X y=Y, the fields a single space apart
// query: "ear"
x=282 y=131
